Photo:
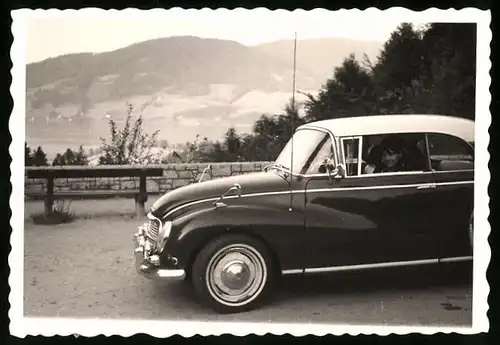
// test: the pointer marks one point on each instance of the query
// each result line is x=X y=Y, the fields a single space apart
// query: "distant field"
x=72 y=135
x=179 y=118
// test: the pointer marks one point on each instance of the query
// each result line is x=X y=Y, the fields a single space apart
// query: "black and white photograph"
x=249 y=171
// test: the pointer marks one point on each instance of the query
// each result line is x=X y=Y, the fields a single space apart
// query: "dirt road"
x=85 y=269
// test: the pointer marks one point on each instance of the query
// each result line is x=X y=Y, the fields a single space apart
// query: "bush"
x=60 y=214
x=129 y=145
x=190 y=152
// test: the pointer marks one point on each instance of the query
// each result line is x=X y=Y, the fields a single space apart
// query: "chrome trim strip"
x=452 y=171
x=290 y=272
x=360 y=154
x=174 y=274
x=377 y=265
x=398 y=173
x=457 y=259
x=319 y=190
x=369 y=266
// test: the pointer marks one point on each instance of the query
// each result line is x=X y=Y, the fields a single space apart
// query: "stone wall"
x=174 y=176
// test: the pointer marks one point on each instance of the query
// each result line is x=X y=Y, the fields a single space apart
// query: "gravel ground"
x=85 y=269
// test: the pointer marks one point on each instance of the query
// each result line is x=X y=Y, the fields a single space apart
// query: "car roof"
x=400 y=123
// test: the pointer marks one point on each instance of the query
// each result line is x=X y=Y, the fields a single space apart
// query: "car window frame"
x=398 y=173
x=360 y=151
x=465 y=142
x=334 y=147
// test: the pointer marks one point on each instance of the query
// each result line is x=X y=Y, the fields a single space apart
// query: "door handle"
x=427 y=186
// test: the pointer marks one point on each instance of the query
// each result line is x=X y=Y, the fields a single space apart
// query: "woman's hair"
x=393 y=143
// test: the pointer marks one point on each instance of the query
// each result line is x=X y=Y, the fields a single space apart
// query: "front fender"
x=281 y=230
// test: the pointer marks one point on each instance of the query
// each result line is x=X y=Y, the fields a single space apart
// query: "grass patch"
x=61 y=214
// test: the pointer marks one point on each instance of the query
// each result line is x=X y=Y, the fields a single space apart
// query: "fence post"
x=49 y=199
x=141 y=198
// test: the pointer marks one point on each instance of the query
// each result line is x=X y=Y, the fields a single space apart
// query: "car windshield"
x=305 y=142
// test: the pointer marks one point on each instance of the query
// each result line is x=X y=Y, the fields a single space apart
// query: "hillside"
x=190 y=85
x=321 y=55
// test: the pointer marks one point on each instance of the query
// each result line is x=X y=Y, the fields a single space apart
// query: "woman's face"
x=390 y=158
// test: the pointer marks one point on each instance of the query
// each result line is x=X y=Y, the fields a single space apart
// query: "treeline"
x=430 y=70
x=37 y=157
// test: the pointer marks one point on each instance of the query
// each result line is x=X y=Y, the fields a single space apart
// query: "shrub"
x=60 y=214
x=129 y=145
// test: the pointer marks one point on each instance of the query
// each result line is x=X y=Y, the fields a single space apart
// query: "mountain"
x=186 y=85
x=321 y=55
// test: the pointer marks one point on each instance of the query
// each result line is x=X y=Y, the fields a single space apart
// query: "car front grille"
x=153 y=230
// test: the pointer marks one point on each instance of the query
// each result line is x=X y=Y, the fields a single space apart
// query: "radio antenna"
x=294 y=109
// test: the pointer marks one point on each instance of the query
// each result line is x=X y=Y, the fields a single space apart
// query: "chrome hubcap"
x=236 y=275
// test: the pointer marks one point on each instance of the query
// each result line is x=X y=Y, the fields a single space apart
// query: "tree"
x=270 y=134
x=69 y=157
x=39 y=157
x=429 y=70
x=351 y=92
x=233 y=144
x=129 y=145
x=450 y=67
x=28 y=159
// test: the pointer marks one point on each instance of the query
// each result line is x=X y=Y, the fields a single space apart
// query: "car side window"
x=323 y=155
x=393 y=153
x=351 y=152
x=449 y=153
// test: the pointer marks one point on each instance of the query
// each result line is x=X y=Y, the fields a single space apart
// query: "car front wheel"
x=233 y=273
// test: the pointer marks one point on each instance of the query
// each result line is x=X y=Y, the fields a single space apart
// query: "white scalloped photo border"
x=22 y=326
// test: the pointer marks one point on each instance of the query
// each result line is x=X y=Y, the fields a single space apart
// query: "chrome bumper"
x=148 y=265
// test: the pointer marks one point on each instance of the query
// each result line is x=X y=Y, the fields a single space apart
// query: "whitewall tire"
x=233 y=273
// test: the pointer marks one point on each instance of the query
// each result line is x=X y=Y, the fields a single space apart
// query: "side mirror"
x=339 y=171
x=329 y=168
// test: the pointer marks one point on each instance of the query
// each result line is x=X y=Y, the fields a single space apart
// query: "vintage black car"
x=344 y=194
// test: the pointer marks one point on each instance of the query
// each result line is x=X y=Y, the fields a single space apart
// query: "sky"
x=53 y=34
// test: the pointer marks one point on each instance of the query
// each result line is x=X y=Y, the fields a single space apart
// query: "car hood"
x=257 y=182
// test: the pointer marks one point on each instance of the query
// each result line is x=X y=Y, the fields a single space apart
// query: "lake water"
x=55 y=137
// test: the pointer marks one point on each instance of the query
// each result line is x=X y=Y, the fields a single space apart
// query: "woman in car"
x=388 y=156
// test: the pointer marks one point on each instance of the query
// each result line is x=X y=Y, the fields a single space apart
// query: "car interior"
x=410 y=151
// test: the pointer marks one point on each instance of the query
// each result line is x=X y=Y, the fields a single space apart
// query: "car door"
x=368 y=218
x=452 y=161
